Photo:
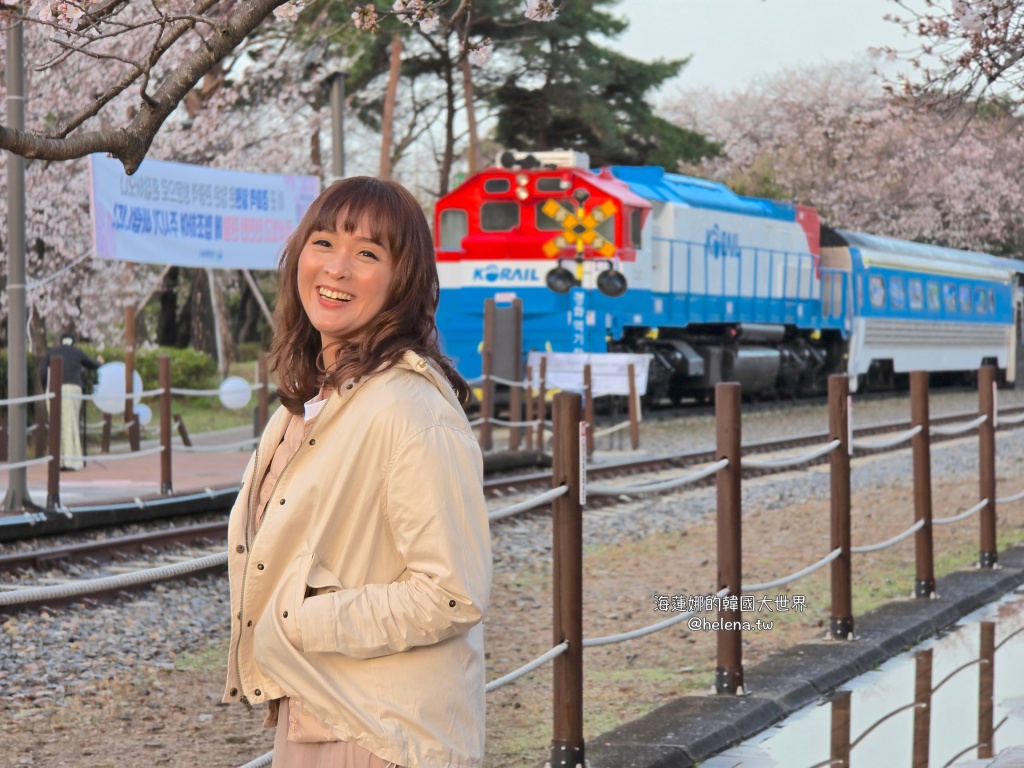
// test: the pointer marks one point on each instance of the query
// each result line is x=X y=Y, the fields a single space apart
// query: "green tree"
x=555 y=86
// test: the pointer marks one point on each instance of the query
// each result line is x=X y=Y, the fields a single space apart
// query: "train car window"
x=965 y=298
x=454 y=227
x=949 y=297
x=934 y=304
x=980 y=301
x=499 y=217
x=635 y=229
x=915 y=293
x=497 y=186
x=546 y=223
x=897 y=293
x=876 y=290
x=550 y=184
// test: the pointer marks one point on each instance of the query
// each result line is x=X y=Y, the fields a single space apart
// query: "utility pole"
x=17 y=316
x=337 y=85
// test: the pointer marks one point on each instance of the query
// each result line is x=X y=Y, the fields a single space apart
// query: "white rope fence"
x=593 y=642
x=1008 y=499
x=887 y=442
x=794 y=576
x=889 y=542
x=526 y=669
x=1018 y=419
x=503 y=423
x=531 y=503
x=262 y=761
x=218 y=447
x=89 y=586
x=962 y=516
x=611 y=430
x=654 y=487
x=23 y=464
x=957 y=429
x=120 y=395
x=115 y=456
x=791 y=461
x=29 y=399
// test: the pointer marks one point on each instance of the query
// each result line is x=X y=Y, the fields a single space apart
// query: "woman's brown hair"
x=406 y=321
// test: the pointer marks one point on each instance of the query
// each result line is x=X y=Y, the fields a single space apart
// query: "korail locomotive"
x=713 y=285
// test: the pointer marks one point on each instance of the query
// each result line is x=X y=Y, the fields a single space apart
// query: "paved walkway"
x=139 y=477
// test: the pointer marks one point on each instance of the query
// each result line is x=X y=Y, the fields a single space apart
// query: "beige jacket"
x=362 y=592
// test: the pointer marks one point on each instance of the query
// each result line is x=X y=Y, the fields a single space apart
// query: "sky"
x=735 y=42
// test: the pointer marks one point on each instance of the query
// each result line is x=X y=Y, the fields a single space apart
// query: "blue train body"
x=717 y=286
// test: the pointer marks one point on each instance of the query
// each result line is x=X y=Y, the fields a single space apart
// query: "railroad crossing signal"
x=580 y=228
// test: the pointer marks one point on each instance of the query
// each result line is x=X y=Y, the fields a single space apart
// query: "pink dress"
x=301 y=740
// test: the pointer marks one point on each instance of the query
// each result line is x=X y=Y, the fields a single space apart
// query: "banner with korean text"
x=194 y=216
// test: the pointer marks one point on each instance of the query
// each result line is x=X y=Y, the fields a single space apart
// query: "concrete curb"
x=693 y=728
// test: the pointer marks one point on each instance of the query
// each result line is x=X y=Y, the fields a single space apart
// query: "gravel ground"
x=139 y=683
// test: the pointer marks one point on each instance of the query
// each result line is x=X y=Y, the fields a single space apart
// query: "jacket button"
x=282 y=502
x=233 y=692
x=286 y=614
x=239 y=616
x=259 y=567
x=249 y=623
x=240 y=548
x=451 y=603
x=258 y=692
x=349 y=386
x=313 y=441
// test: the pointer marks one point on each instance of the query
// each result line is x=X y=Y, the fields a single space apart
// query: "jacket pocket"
x=284 y=606
x=320 y=579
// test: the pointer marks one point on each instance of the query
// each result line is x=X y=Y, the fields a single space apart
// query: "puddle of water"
x=954 y=700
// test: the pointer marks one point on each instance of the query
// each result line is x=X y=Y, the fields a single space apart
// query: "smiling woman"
x=360 y=553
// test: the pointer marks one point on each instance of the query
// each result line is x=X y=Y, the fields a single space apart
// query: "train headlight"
x=611 y=283
x=522 y=193
x=561 y=280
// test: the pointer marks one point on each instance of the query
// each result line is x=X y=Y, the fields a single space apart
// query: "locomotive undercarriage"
x=766 y=360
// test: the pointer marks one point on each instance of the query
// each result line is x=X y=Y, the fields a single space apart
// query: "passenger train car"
x=715 y=286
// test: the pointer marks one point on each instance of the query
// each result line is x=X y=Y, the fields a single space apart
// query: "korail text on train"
x=714 y=285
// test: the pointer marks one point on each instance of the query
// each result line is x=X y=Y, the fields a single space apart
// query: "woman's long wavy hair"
x=406 y=321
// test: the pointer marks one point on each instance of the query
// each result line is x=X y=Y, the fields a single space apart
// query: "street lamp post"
x=337 y=85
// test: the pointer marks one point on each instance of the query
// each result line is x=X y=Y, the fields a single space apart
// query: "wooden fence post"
x=634 y=409
x=487 y=370
x=839 y=471
x=130 y=419
x=56 y=403
x=924 y=584
x=729 y=672
x=108 y=423
x=3 y=439
x=840 y=741
x=923 y=710
x=986 y=689
x=515 y=394
x=567 y=567
x=987 y=464
x=166 y=484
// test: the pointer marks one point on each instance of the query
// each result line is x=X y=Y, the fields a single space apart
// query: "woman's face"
x=343 y=281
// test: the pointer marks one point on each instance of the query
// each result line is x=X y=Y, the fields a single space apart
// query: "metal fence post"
x=567 y=566
x=528 y=407
x=729 y=672
x=839 y=471
x=56 y=403
x=515 y=393
x=487 y=369
x=263 y=396
x=634 y=409
x=588 y=405
x=542 y=406
x=166 y=485
x=987 y=464
x=924 y=584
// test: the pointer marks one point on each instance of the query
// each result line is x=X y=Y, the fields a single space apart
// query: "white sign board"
x=193 y=216
x=609 y=372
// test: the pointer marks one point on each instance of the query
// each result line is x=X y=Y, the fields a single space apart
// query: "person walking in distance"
x=359 y=550
x=73 y=360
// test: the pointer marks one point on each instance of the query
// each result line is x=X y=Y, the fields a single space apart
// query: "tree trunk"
x=448 y=158
x=387 y=128
x=167 y=320
x=475 y=161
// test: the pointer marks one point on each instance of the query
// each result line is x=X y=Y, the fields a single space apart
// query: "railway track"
x=205 y=540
